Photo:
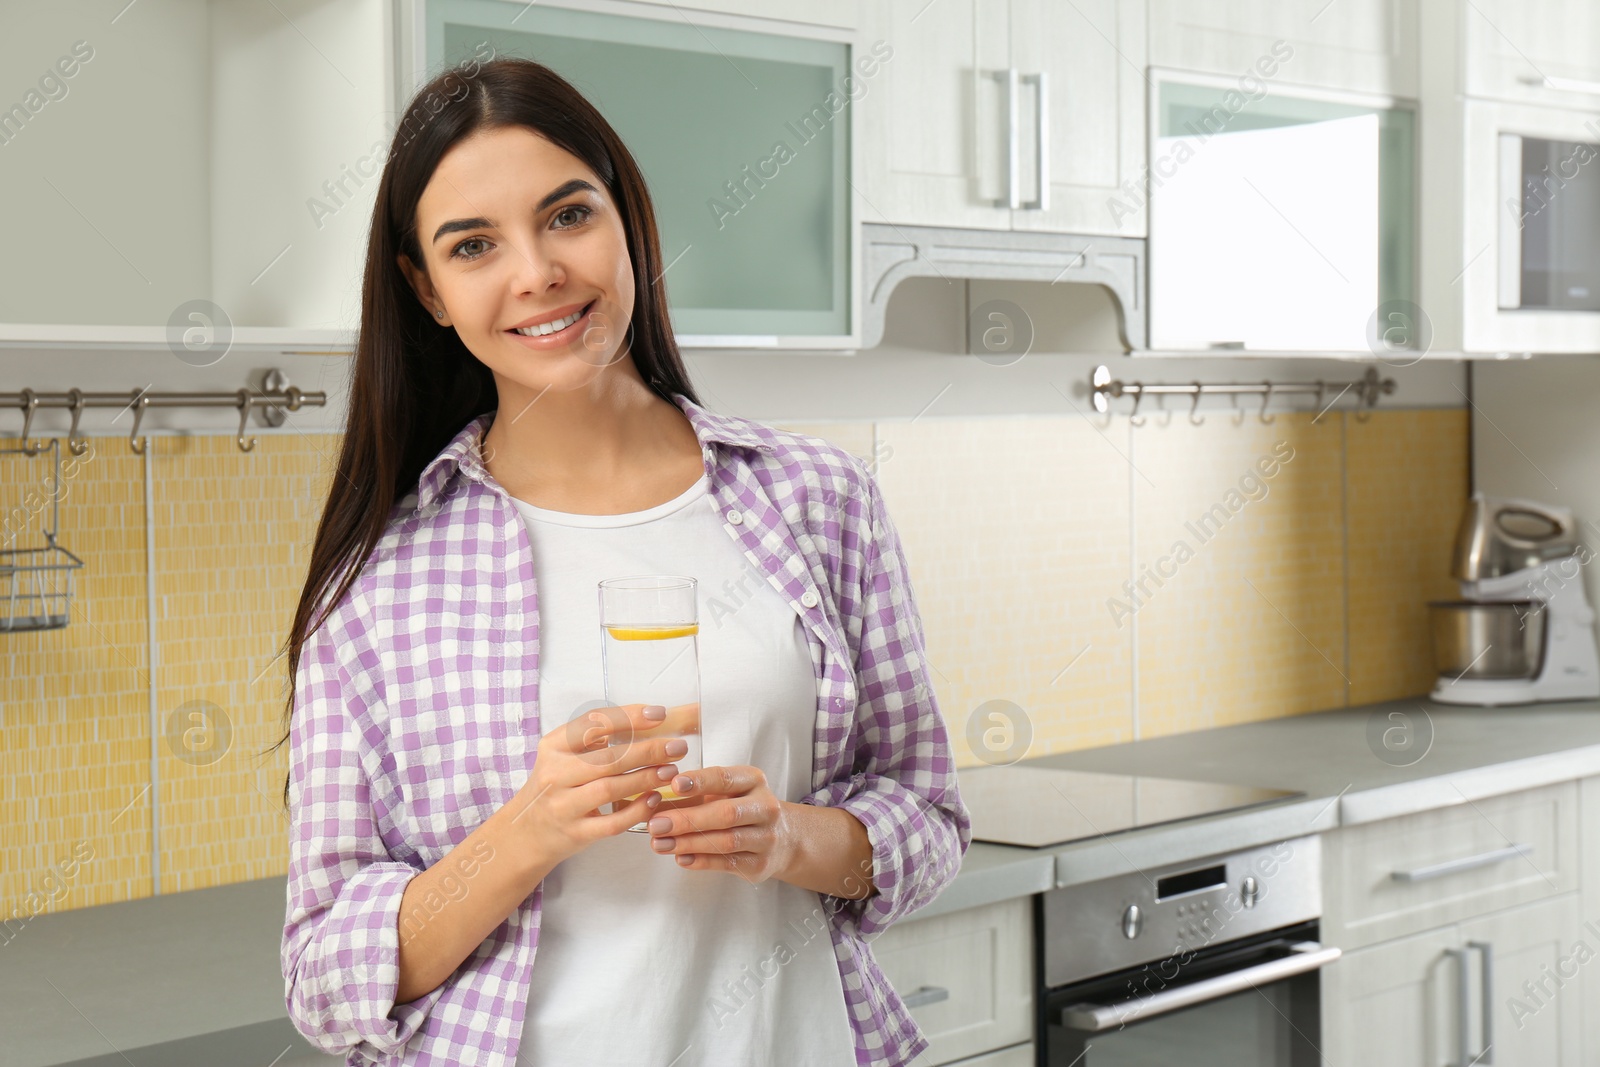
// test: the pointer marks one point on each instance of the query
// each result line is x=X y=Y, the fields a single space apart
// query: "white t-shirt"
x=641 y=963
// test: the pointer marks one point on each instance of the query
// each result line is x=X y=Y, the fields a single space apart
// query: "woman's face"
x=518 y=233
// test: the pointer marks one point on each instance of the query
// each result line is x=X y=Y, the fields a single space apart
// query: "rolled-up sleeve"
x=341 y=953
x=903 y=781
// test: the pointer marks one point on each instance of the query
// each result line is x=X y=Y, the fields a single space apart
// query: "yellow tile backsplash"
x=1059 y=609
x=1250 y=520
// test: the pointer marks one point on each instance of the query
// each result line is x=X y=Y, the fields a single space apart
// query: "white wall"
x=1536 y=434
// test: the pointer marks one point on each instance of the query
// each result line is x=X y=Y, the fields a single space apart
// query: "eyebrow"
x=561 y=192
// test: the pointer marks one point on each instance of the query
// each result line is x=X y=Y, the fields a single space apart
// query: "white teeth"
x=552 y=327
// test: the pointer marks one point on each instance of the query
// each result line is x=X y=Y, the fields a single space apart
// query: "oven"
x=1206 y=964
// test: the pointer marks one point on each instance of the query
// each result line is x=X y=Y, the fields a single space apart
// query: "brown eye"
x=583 y=214
x=456 y=253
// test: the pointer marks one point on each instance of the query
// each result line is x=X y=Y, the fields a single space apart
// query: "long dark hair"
x=415 y=385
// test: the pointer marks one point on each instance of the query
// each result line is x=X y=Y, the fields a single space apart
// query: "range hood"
x=891 y=254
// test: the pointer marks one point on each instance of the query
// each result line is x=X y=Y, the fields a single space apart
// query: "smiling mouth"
x=545 y=329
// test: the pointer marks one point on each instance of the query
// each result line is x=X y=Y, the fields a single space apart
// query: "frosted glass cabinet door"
x=744 y=140
x=1281 y=224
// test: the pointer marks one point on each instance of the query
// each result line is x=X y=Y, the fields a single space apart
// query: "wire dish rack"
x=36 y=583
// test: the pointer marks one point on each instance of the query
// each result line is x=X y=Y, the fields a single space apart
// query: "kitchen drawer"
x=1015 y=1056
x=968 y=977
x=1453 y=863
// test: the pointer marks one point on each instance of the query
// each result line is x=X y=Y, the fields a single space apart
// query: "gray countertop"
x=194 y=977
x=1336 y=758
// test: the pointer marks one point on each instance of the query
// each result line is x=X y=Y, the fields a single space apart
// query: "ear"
x=423 y=287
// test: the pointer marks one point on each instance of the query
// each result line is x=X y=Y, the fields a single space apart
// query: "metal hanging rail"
x=1102 y=386
x=273 y=401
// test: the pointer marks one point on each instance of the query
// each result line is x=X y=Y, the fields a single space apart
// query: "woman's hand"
x=576 y=771
x=738 y=824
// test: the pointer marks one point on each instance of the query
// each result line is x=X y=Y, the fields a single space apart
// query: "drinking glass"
x=649 y=643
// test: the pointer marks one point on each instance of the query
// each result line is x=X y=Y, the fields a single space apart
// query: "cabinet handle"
x=1013 y=149
x=1463 y=1005
x=1486 y=999
x=1566 y=85
x=1041 y=138
x=925 y=995
x=1465 y=863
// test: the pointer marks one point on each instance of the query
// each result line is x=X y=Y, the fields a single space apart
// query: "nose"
x=536 y=268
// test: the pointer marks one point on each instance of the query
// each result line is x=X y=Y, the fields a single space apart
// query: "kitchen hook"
x=138 y=403
x=30 y=404
x=244 y=418
x=77 y=444
x=1194 y=418
x=1134 y=418
x=1266 y=398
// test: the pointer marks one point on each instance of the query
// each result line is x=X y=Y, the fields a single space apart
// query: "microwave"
x=1511 y=265
x=1550 y=223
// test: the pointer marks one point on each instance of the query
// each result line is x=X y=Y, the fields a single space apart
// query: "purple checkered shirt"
x=416 y=717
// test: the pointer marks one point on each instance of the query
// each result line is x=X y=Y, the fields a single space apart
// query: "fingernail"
x=676 y=747
x=661 y=844
x=655 y=712
x=666 y=773
x=684 y=861
x=682 y=783
x=659 y=824
x=653 y=799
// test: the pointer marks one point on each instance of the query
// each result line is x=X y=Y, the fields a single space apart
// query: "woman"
x=521 y=426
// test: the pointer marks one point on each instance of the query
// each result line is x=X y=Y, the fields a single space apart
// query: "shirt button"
x=809 y=599
x=734 y=517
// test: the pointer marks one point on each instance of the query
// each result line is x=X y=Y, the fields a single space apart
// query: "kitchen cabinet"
x=1015 y=1056
x=1008 y=114
x=1533 y=51
x=1281 y=220
x=1413 y=1001
x=1390 y=1004
x=753 y=208
x=1400 y=876
x=1589 y=980
x=1444 y=916
x=242 y=212
x=1360 y=45
x=967 y=978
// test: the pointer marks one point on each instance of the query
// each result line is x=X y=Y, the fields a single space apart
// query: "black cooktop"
x=1034 y=804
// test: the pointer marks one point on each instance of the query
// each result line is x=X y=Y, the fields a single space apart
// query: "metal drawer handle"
x=1566 y=85
x=1013 y=199
x=1098 y=1018
x=1465 y=863
x=925 y=995
x=1041 y=140
x=1486 y=995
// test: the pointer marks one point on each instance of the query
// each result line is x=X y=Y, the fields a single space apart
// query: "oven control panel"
x=1150 y=915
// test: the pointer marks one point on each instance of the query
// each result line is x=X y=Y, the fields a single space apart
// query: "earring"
x=438 y=314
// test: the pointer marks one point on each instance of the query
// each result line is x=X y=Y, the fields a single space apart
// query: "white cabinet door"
x=967 y=977
x=1513 y=46
x=1589 y=827
x=933 y=122
x=1015 y=1056
x=1526 y=1007
x=1092 y=55
x=1393 y=1005
x=1362 y=45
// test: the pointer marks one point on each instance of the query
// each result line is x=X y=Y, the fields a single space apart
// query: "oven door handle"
x=1097 y=1018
